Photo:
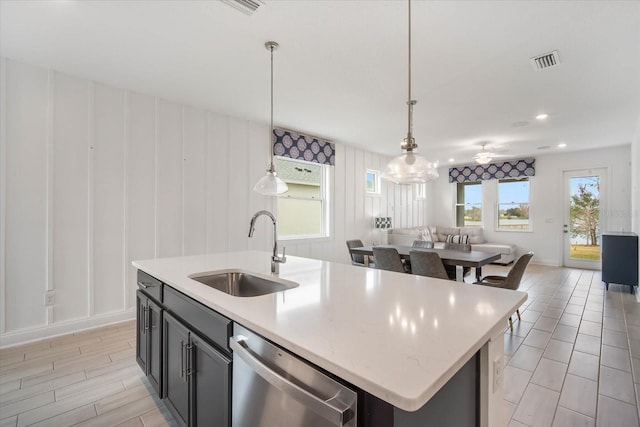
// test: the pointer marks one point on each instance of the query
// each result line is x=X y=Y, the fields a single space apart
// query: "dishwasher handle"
x=338 y=416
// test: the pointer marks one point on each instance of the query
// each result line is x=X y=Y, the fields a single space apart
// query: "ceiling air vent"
x=547 y=60
x=248 y=7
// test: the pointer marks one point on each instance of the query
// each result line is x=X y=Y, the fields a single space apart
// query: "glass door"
x=584 y=196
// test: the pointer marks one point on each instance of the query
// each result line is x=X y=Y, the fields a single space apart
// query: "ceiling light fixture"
x=483 y=157
x=410 y=167
x=270 y=184
x=562 y=145
x=542 y=116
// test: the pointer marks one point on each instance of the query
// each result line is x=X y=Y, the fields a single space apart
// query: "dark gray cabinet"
x=620 y=259
x=197 y=377
x=175 y=368
x=183 y=348
x=149 y=339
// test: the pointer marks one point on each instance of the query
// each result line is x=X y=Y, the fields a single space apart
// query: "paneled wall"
x=94 y=177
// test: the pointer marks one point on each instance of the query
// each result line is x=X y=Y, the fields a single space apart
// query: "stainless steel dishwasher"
x=273 y=388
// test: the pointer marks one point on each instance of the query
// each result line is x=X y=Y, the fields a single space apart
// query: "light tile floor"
x=574 y=358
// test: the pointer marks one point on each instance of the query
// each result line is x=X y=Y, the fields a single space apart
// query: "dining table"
x=459 y=259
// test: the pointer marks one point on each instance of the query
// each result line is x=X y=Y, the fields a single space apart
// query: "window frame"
x=458 y=205
x=498 y=203
x=376 y=182
x=324 y=199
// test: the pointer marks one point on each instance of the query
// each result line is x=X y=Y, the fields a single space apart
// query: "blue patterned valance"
x=302 y=147
x=508 y=169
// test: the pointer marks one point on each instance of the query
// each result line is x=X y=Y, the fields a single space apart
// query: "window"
x=372 y=182
x=513 y=204
x=303 y=210
x=469 y=204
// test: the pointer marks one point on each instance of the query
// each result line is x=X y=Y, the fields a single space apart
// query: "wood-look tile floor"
x=573 y=360
x=89 y=378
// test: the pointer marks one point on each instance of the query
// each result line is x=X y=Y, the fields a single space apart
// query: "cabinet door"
x=175 y=379
x=154 y=346
x=210 y=375
x=141 y=330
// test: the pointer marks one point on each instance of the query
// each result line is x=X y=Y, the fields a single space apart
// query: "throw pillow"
x=458 y=238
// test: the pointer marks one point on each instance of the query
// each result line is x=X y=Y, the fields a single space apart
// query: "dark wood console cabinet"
x=620 y=259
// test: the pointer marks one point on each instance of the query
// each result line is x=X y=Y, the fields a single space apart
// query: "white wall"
x=547 y=201
x=93 y=177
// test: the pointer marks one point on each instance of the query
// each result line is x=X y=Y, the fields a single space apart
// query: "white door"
x=583 y=224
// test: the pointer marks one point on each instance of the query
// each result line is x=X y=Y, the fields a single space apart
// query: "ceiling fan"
x=484 y=156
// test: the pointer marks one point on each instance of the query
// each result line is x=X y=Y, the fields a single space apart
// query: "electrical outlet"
x=498 y=374
x=49 y=298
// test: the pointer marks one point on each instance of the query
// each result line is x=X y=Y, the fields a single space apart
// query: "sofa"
x=439 y=235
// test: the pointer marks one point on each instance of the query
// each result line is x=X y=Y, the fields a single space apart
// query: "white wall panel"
x=26 y=196
x=108 y=199
x=70 y=196
x=162 y=179
x=258 y=161
x=195 y=182
x=169 y=226
x=339 y=197
x=239 y=186
x=217 y=182
x=140 y=162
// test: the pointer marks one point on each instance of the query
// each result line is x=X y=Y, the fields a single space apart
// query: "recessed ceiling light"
x=542 y=116
x=451 y=160
x=562 y=145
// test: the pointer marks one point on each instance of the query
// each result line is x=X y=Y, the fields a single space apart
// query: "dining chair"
x=511 y=280
x=358 y=259
x=451 y=269
x=422 y=244
x=388 y=259
x=427 y=264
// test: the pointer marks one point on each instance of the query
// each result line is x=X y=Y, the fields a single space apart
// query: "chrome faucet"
x=276 y=260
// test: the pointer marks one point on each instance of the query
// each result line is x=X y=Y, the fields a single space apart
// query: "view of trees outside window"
x=584 y=217
x=513 y=204
x=469 y=204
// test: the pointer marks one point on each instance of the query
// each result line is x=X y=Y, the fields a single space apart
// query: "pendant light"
x=270 y=184
x=410 y=167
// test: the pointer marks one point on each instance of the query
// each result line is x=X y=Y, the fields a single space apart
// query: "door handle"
x=327 y=409
x=182 y=367
x=189 y=363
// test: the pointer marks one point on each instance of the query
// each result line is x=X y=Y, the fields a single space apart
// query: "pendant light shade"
x=270 y=184
x=410 y=167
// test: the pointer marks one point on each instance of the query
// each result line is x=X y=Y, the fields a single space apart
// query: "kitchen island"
x=398 y=338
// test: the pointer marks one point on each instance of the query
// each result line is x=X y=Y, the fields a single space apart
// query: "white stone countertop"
x=397 y=336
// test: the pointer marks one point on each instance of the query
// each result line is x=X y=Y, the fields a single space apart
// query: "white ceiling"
x=341 y=70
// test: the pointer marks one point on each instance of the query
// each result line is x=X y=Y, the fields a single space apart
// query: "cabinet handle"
x=189 y=367
x=182 y=367
x=147 y=320
x=144 y=285
x=144 y=320
x=331 y=409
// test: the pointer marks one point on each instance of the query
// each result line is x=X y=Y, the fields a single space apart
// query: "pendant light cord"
x=409 y=133
x=271 y=165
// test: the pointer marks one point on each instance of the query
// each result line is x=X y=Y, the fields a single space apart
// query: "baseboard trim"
x=12 y=339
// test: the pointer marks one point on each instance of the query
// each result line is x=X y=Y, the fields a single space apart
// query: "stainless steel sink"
x=242 y=284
